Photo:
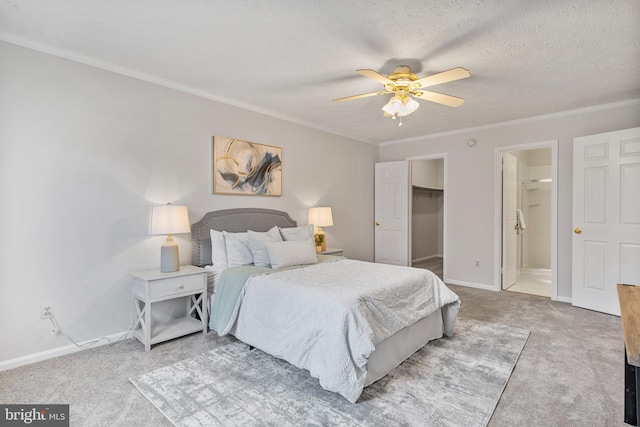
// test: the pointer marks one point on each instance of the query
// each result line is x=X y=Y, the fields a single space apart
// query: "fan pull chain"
x=394 y=117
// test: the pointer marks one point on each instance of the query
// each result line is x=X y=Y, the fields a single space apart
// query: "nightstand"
x=332 y=251
x=151 y=286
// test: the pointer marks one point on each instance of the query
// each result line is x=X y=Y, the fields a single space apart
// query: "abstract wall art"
x=246 y=168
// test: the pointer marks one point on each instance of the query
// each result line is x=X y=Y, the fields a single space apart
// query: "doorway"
x=526 y=208
x=427 y=218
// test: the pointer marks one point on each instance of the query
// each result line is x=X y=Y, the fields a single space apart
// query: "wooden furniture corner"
x=629 y=296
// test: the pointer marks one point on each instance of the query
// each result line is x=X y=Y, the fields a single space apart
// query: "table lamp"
x=169 y=220
x=321 y=217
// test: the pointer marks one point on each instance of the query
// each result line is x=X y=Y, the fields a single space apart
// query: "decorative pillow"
x=297 y=233
x=238 y=249
x=218 y=250
x=290 y=253
x=258 y=242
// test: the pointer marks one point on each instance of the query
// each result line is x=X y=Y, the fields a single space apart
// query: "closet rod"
x=537 y=180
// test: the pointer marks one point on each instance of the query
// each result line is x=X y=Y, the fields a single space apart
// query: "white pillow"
x=258 y=242
x=238 y=249
x=218 y=250
x=297 y=233
x=289 y=253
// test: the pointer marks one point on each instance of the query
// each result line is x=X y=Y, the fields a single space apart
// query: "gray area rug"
x=454 y=381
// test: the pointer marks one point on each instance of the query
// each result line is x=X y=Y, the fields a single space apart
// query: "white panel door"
x=392 y=213
x=509 y=219
x=606 y=217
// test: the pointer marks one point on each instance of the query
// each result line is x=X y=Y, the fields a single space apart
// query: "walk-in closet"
x=427 y=214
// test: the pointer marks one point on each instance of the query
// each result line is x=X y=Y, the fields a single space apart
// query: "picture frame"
x=246 y=168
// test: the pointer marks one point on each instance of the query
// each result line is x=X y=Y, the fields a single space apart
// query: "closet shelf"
x=425 y=189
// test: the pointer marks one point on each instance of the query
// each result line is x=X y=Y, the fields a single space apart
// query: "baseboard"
x=491 y=288
x=470 y=284
x=426 y=258
x=60 y=351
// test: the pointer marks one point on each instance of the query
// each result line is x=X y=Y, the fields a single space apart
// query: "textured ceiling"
x=290 y=58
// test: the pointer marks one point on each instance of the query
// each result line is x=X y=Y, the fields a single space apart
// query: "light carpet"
x=449 y=382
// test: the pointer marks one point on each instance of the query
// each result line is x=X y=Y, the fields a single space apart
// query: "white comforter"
x=328 y=317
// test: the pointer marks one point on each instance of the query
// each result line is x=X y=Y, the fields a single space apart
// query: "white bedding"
x=212 y=277
x=328 y=317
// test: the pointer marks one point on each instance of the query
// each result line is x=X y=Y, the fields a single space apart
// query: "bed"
x=347 y=322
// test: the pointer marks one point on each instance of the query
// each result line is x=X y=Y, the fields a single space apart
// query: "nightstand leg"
x=203 y=312
x=147 y=329
x=136 y=317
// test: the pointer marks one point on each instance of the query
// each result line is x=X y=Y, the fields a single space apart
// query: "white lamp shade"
x=409 y=106
x=169 y=220
x=320 y=217
x=393 y=106
x=402 y=106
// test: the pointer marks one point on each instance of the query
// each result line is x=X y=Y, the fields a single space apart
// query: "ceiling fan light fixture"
x=393 y=106
x=409 y=105
x=400 y=105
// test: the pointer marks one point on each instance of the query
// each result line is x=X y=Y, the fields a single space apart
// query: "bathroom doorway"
x=528 y=250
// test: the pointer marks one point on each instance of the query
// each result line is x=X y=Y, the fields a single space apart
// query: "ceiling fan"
x=403 y=84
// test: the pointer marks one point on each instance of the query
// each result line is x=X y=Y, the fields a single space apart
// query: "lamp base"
x=169 y=257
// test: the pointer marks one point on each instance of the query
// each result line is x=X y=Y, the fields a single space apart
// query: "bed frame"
x=388 y=353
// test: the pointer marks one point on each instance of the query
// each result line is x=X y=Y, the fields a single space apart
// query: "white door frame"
x=443 y=156
x=497 y=241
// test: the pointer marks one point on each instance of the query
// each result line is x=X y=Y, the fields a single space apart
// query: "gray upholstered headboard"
x=235 y=221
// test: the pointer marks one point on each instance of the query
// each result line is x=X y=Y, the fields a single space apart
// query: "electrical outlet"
x=477 y=263
x=46 y=311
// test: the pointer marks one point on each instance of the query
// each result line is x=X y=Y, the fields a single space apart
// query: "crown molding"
x=108 y=66
x=567 y=113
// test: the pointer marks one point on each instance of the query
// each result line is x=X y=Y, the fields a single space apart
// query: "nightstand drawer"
x=175 y=285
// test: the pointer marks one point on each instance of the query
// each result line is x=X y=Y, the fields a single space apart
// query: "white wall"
x=85 y=152
x=428 y=173
x=471 y=176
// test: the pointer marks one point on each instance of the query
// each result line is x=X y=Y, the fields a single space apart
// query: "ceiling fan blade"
x=364 y=95
x=444 y=77
x=440 y=98
x=375 y=76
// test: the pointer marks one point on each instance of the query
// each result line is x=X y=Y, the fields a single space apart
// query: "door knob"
x=377 y=223
x=577 y=230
